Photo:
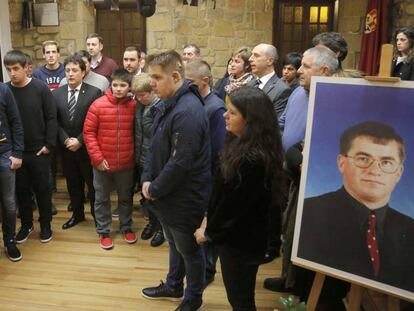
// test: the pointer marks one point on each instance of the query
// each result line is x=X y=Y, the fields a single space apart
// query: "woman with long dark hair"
x=245 y=189
x=403 y=62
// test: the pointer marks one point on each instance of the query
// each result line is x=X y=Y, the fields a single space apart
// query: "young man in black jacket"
x=11 y=149
x=38 y=113
x=176 y=178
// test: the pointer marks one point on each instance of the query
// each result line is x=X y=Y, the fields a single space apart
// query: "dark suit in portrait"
x=76 y=165
x=334 y=233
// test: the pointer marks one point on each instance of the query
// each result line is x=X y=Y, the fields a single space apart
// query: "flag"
x=374 y=36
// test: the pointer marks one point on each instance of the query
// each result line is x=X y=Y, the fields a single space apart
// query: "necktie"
x=72 y=104
x=372 y=243
x=257 y=83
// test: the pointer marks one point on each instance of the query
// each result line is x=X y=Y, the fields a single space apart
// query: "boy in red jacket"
x=108 y=133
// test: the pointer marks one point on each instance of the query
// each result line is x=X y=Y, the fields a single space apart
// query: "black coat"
x=179 y=161
x=238 y=211
x=331 y=235
x=403 y=70
x=66 y=128
x=11 y=127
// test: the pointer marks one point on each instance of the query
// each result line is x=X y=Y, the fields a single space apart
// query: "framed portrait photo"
x=355 y=214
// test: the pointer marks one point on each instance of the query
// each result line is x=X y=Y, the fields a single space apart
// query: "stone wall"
x=76 y=20
x=218 y=32
x=351 y=19
x=403 y=13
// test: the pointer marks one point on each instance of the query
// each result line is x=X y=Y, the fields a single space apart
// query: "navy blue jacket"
x=179 y=163
x=215 y=109
x=11 y=127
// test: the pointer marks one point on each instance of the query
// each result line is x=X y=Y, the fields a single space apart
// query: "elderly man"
x=370 y=239
x=264 y=56
x=318 y=61
x=190 y=52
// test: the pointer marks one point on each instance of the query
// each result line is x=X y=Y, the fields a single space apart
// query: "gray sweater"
x=93 y=79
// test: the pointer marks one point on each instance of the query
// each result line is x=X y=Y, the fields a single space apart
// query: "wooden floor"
x=73 y=273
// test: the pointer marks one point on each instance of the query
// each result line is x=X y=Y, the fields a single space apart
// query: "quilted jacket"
x=108 y=132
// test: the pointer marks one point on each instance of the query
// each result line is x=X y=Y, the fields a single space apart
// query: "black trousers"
x=239 y=277
x=78 y=171
x=34 y=174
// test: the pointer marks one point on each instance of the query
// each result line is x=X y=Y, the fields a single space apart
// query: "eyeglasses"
x=388 y=166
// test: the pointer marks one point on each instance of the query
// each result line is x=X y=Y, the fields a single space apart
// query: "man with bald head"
x=264 y=56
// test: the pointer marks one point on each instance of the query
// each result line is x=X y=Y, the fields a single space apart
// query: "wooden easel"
x=384 y=74
x=355 y=294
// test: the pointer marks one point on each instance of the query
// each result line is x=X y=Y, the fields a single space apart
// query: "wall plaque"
x=46 y=14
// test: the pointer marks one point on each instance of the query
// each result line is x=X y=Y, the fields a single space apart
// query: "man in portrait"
x=354 y=229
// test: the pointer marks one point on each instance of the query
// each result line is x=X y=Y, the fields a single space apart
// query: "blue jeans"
x=186 y=259
x=8 y=199
x=104 y=182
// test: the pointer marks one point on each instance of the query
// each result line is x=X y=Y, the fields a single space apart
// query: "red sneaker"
x=106 y=241
x=130 y=237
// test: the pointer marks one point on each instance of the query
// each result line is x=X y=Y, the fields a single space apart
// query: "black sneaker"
x=45 y=234
x=190 y=305
x=162 y=292
x=148 y=231
x=157 y=239
x=23 y=234
x=13 y=252
x=276 y=284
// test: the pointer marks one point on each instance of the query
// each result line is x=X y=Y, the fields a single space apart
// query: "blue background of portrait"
x=339 y=106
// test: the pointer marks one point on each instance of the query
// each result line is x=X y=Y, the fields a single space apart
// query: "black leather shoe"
x=162 y=292
x=54 y=210
x=158 y=238
x=73 y=221
x=275 y=285
x=270 y=255
x=190 y=305
x=70 y=208
x=148 y=231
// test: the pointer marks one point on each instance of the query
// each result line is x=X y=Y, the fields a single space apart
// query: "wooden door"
x=296 y=22
x=120 y=29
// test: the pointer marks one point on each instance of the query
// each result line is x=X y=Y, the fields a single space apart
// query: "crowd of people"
x=217 y=167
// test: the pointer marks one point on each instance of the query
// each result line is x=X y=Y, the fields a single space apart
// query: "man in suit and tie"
x=73 y=101
x=354 y=229
x=262 y=61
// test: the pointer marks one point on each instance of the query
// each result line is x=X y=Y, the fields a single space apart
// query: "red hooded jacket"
x=108 y=131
